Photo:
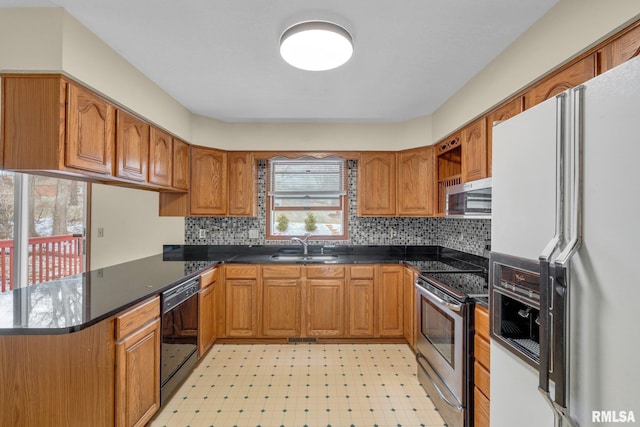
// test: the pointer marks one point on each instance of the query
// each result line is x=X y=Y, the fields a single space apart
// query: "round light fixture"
x=316 y=45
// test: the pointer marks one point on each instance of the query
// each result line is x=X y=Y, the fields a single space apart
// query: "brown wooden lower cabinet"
x=325 y=301
x=390 y=296
x=409 y=307
x=281 y=301
x=481 y=368
x=137 y=361
x=361 y=297
x=207 y=310
x=241 y=295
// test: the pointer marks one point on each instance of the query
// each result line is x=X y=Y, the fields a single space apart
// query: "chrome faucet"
x=304 y=242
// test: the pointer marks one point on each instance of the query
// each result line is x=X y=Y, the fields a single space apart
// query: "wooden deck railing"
x=50 y=258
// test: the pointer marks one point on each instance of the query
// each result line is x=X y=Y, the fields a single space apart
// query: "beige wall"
x=30 y=39
x=311 y=136
x=131 y=231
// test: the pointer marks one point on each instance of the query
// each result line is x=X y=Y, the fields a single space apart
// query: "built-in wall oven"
x=179 y=335
x=445 y=336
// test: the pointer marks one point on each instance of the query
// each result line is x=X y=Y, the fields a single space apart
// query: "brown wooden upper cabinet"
x=208 y=181
x=377 y=184
x=474 y=151
x=567 y=78
x=52 y=124
x=181 y=164
x=448 y=167
x=504 y=112
x=416 y=182
x=620 y=50
x=242 y=173
x=160 y=158
x=222 y=183
x=90 y=131
x=132 y=147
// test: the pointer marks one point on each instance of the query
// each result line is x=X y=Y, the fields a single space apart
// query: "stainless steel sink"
x=303 y=258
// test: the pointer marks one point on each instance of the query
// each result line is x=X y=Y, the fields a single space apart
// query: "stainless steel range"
x=445 y=342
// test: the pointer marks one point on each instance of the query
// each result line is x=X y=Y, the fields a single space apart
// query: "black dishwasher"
x=179 y=345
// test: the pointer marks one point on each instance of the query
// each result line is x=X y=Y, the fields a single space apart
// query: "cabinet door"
x=409 y=307
x=416 y=182
x=281 y=302
x=208 y=182
x=390 y=300
x=138 y=376
x=181 y=165
x=241 y=308
x=160 y=157
x=474 y=151
x=90 y=131
x=325 y=308
x=505 y=112
x=377 y=184
x=620 y=50
x=243 y=200
x=206 y=318
x=132 y=147
x=571 y=76
x=361 y=308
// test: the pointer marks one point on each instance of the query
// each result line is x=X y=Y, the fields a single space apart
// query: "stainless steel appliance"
x=444 y=338
x=179 y=335
x=469 y=200
x=560 y=199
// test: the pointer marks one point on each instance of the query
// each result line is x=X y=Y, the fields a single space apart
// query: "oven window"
x=439 y=329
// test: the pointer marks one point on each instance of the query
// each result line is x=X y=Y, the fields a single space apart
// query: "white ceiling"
x=220 y=58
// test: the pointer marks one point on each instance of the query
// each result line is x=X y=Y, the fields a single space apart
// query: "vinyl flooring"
x=291 y=385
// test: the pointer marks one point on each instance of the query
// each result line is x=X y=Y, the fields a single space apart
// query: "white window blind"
x=307 y=178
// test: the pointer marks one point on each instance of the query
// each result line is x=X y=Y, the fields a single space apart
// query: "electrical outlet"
x=253 y=233
x=202 y=233
x=100 y=232
x=461 y=236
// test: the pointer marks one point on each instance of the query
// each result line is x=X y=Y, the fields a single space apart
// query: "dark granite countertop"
x=76 y=302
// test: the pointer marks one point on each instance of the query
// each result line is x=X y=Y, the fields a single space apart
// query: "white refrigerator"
x=599 y=205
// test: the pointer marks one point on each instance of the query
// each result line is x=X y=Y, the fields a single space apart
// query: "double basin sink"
x=304 y=258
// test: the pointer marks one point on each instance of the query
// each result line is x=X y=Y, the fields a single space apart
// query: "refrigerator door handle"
x=561 y=305
x=552 y=246
x=576 y=180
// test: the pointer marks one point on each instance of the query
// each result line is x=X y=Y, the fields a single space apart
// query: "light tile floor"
x=293 y=385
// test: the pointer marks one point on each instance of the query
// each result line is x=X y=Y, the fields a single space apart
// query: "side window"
x=306 y=196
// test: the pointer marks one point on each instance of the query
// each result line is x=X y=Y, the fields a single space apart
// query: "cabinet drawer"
x=324 y=271
x=241 y=271
x=482 y=322
x=281 y=271
x=481 y=378
x=209 y=277
x=480 y=409
x=362 y=271
x=132 y=319
x=482 y=351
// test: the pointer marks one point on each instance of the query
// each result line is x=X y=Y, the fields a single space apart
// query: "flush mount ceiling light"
x=316 y=45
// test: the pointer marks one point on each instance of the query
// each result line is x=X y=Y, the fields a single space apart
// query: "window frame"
x=343 y=206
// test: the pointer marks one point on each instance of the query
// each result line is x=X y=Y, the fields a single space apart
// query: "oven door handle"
x=451 y=306
x=455 y=405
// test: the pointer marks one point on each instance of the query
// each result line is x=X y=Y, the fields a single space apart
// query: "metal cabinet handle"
x=451 y=306
x=456 y=405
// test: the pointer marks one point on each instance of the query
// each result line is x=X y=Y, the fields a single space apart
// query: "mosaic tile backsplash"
x=467 y=235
